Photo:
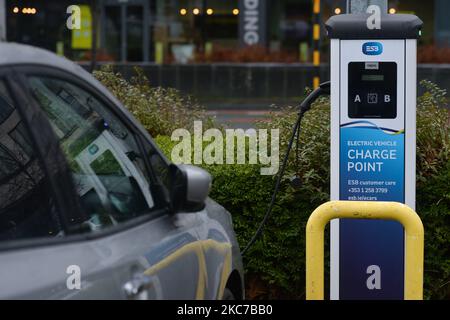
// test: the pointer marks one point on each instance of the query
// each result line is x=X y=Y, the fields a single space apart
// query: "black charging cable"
x=305 y=106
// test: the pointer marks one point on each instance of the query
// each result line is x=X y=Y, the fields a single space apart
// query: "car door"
x=212 y=225
x=123 y=233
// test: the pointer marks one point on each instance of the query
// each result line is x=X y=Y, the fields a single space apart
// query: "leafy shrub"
x=275 y=265
x=433 y=187
x=278 y=257
x=160 y=110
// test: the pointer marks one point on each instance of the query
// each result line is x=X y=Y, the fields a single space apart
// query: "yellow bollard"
x=414 y=241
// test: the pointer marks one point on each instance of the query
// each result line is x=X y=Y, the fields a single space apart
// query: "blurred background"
x=238 y=58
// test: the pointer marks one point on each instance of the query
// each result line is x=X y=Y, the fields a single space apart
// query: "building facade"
x=165 y=31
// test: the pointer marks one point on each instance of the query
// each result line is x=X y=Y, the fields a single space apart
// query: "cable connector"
x=324 y=88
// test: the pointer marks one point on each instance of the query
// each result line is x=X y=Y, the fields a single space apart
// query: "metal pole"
x=94 y=28
x=2 y=20
x=146 y=36
x=414 y=241
x=203 y=24
x=316 y=42
x=123 y=32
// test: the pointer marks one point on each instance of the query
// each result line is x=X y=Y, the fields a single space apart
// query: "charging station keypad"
x=372 y=92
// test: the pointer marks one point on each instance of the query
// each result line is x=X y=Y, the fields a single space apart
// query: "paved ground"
x=244 y=119
x=240 y=115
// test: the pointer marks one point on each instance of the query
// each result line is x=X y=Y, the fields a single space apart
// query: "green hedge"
x=277 y=260
x=160 y=110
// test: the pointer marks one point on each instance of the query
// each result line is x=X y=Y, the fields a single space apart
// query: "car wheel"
x=228 y=295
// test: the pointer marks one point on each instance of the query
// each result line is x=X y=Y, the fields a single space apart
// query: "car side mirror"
x=189 y=188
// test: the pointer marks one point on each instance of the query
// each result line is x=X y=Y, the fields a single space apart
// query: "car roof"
x=20 y=54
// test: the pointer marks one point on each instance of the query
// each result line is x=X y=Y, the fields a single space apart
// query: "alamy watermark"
x=74 y=20
x=238 y=146
x=374 y=20
x=73 y=281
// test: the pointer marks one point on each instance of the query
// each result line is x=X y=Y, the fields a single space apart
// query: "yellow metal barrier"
x=414 y=241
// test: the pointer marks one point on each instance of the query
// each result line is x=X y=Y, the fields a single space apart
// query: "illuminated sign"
x=252 y=22
x=82 y=37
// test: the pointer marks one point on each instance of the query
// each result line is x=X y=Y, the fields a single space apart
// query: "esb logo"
x=372 y=48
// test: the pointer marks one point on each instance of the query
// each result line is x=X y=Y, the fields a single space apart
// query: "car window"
x=106 y=165
x=27 y=207
x=158 y=164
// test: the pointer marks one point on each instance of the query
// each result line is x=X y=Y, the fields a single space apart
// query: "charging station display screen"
x=372 y=90
x=372 y=77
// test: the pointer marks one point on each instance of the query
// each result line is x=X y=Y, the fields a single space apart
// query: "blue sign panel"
x=371 y=253
x=372 y=48
x=368 y=247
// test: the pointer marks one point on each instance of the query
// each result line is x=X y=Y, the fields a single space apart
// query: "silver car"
x=89 y=207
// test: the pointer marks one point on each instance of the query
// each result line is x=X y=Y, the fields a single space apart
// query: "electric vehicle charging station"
x=373 y=148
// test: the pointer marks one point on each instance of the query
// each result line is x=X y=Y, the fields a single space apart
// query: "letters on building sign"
x=252 y=22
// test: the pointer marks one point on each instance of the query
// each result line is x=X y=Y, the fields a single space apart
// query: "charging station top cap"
x=354 y=27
